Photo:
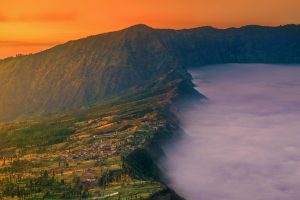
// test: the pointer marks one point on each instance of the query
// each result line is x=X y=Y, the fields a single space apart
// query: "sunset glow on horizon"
x=30 y=26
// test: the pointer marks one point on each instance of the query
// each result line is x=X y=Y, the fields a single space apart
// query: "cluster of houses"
x=94 y=142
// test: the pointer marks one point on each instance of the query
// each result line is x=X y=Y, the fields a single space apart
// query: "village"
x=88 y=160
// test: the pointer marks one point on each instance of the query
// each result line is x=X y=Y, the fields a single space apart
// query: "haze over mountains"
x=81 y=72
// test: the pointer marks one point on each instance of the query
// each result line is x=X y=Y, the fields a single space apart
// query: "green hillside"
x=81 y=72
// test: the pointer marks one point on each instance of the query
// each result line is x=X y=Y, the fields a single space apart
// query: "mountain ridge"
x=97 y=67
x=145 y=26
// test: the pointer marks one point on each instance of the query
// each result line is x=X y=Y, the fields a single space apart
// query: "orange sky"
x=32 y=25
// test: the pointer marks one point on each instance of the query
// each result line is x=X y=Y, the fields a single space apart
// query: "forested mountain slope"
x=81 y=72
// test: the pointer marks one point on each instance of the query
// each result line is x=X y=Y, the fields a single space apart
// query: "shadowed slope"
x=83 y=71
x=248 y=44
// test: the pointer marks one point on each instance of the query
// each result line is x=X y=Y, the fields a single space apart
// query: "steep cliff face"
x=81 y=72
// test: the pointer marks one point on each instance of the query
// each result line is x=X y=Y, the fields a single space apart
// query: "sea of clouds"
x=244 y=142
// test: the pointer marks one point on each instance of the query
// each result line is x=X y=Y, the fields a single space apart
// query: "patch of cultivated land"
x=85 y=154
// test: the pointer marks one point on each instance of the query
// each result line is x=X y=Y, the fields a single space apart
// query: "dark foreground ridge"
x=89 y=115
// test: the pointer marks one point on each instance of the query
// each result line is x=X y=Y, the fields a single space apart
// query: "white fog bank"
x=244 y=142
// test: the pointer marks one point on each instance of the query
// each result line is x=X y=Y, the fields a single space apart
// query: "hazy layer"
x=244 y=143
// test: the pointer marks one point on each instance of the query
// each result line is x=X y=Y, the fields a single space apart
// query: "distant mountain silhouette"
x=81 y=72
